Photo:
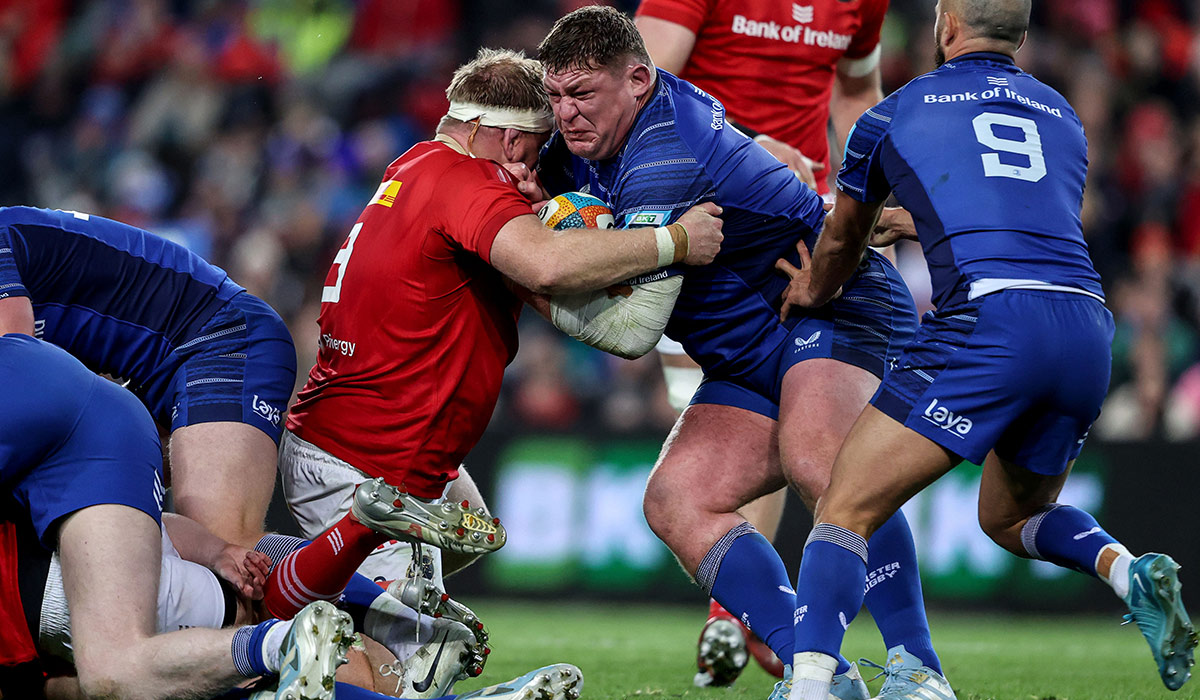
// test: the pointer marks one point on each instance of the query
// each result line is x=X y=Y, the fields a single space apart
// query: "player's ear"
x=641 y=79
x=1022 y=41
x=510 y=145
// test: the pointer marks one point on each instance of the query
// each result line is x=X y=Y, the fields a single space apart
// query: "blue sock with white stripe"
x=744 y=573
x=894 y=591
x=255 y=648
x=357 y=598
x=829 y=592
x=1067 y=536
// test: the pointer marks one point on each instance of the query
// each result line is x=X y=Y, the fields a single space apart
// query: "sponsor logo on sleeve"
x=386 y=194
x=649 y=218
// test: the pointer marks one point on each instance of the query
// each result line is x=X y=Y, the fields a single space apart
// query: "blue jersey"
x=116 y=297
x=680 y=152
x=991 y=163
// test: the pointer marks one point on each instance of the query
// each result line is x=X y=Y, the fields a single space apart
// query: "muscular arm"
x=669 y=44
x=851 y=97
x=545 y=261
x=835 y=257
x=16 y=315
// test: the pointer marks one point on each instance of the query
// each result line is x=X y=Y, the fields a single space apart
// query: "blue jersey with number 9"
x=991 y=163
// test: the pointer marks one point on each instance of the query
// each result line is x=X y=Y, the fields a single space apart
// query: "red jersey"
x=416 y=327
x=772 y=63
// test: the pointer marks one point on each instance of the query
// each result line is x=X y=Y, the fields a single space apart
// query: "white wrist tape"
x=665 y=245
x=628 y=327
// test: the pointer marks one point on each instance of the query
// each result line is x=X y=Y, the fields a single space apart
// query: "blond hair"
x=498 y=78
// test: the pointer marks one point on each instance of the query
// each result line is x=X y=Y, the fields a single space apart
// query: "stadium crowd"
x=253 y=132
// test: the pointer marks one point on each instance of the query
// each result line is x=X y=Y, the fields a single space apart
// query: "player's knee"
x=1003 y=531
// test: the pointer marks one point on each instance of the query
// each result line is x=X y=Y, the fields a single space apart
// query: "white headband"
x=503 y=117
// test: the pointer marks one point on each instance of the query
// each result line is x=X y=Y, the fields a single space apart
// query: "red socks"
x=321 y=570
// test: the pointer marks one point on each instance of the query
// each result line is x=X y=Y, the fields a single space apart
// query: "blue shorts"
x=240 y=367
x=1021 y=372
x=71 y=439
x=865 y=327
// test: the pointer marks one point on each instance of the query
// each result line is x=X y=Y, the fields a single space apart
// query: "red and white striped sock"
x=321 y=570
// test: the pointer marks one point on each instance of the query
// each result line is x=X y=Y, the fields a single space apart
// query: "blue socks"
x=248 y=652
x=829 y=592
x=1067 y=536
x=357 y=598
x=744 y=573
x=893 y=591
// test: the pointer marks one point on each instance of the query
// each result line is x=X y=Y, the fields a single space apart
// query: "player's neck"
x=980 y=45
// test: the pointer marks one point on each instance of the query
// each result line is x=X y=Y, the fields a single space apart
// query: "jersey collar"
x=984 y=56
x=447 y=141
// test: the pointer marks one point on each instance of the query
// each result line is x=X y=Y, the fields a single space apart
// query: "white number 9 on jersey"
x=1031 y=147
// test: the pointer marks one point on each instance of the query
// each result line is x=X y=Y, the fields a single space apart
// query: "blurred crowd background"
x=254 y=131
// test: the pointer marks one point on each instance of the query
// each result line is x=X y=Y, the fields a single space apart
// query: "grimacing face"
x=594 y=108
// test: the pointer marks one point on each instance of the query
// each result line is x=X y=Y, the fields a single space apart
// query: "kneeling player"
x=1013 y=366
x=213 y=364
x=82 y=461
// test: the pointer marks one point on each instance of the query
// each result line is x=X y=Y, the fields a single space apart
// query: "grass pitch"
x=648 y=653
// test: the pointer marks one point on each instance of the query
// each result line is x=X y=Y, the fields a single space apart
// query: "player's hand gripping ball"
x=576 y=210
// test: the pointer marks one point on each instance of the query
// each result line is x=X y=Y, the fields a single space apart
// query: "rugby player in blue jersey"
x=1010 y=370
x=80 y=461
x=213 y=364
x=778 y=398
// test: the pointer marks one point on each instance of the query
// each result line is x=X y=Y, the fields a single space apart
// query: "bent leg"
x=880 y=466
x=222 y=476
x=110 y=562
x=821 y=400
x=716 y=460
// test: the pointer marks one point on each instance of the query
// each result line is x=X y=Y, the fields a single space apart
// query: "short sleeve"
x=862 y=174
x=479 y=197
x=867 y=37
x=10 y=278
x=685 y=13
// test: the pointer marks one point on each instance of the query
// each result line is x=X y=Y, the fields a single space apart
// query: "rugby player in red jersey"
x=783 y=70
x=418 y=322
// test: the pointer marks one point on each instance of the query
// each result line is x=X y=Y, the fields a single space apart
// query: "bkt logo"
x=265 y=410
x=945 y=419
x=807 y=343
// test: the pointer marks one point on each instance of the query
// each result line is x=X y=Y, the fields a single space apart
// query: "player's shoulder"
x=681 y=119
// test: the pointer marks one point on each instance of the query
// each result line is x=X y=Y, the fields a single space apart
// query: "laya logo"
x=803 y=14
x=648 y=218
x=945 y=419
x=265 y=410
x=808 y=343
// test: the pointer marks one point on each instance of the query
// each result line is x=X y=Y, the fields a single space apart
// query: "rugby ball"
x=576 y=210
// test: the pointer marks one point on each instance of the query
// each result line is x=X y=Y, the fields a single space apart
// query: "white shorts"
x=319 y=487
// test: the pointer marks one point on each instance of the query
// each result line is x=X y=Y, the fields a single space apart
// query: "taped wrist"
x=626 y=326
x=672 y=243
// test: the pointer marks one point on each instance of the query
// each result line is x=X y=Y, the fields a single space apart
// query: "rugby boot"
x=1156 y=608
x=845 y=686
x=426 y=598
x=312 y=651
x=434 y=668
x=908 y=678
x=721 y=653
x=556 y=682
x=451 y=526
